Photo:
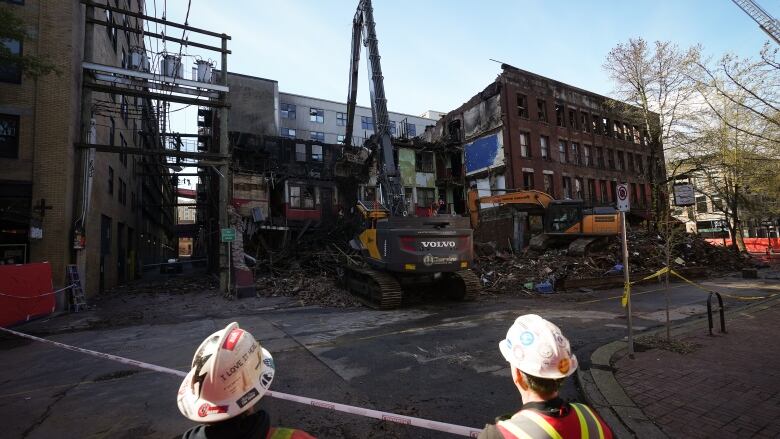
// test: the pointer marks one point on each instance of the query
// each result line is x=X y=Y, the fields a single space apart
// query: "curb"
x=603 y=392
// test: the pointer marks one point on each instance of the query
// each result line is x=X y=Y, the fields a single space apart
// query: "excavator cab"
x=563 y=217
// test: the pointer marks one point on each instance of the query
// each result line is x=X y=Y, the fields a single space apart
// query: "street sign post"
x=227 y=236
x=624 y=205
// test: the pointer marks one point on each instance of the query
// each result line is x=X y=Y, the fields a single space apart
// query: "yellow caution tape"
x=627 y=287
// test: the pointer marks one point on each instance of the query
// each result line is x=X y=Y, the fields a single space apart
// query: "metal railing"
x=720 y=310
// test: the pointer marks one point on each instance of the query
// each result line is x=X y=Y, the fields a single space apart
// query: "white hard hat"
x=230 y=373
x=537 y=347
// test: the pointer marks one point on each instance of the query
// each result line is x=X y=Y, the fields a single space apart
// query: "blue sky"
x=435 y=54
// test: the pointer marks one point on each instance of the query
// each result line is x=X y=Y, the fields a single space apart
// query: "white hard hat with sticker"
x=537 y=347
x=230 y=373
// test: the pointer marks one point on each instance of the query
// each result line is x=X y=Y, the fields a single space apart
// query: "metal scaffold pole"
x=224 y=180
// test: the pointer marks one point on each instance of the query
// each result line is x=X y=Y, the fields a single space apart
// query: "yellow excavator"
x=398 y=250
x=563 y=220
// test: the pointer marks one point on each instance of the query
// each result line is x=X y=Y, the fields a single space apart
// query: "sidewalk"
x=726 y=385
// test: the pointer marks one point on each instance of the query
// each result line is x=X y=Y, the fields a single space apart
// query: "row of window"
x=581 y=120
x=585 y=189
x=582 y=155
x=121 y=191
x=317 y=115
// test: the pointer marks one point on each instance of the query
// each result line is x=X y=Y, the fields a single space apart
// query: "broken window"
x=559 y=118
x=566 y=187
x=411 y=129
x=341 y=138
x=636 y=135
x=640 y=165
x=591 y=194
x=9 y=136
x=544 y=147
x=423 y=161
x=522 y=106
x=562 y=151
x=611 y=159
x=548 y=183
x=317 y=135
x=426 y=197
x=603 y=196
x=316 y=115
x=288 y=111
x=110 y=180
x=578 y=188
x=341 y=119
x=316 y=153
x=575 y=153
x=541 y=108
x=621 y=165
x=617 y=130
x=367 y=123
x=301 y=197
x=606 y=128
x=596 y=124
x=392 y=127
x=288 y=132
x=525 y=148
x=300 y=152
x=586 y=156
x=584 y=122
x=631 y=162
x=573 y=119
x=600 y=157
x=528 y=180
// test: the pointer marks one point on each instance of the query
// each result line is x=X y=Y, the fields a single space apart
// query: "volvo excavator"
x=398 y=251
x=563 y=221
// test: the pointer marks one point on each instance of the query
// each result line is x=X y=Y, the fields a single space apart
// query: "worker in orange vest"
x=540 y=359
x=230 y=373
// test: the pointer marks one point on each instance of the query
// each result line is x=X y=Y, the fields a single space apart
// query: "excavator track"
x=471 y=284
x=375 y=289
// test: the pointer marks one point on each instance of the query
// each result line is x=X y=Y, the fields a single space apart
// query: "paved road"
x=437 y=361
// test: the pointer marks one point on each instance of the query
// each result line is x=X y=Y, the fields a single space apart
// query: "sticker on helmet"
x=559 y=339
x=197 y=378
x=545 y=351
x=269 y=362
x=265 y=380
x=564 y=365
x=248 y=396
x=518 y=353
x=526 y=338
x=207 y=409
x=232 y=339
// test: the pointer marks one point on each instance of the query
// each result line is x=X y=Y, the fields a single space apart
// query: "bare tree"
x=655 y=80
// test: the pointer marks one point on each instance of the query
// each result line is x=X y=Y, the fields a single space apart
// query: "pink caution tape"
x=345 y=408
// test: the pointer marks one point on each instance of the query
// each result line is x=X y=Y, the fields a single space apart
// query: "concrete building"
x=304 y=117
x=45 y=207
x=525 y=131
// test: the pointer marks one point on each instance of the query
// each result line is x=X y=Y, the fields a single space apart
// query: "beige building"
x=52 y=192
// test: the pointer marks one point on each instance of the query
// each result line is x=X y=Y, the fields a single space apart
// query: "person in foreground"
x=230 y=373
x=540 y=359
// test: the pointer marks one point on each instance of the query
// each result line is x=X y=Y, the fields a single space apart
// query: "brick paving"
x=727 y=387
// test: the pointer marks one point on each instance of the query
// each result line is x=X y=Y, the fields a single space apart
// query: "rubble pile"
x=506 y=272
x=319 y=290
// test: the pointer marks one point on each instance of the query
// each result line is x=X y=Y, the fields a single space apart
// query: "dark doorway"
x=326 y=201
x=105 y=248
x=121 y=257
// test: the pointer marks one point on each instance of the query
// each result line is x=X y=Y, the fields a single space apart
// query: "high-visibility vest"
x=288 y=433
x=529 y=424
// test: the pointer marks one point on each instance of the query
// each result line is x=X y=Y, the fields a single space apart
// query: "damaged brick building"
x=525 y=131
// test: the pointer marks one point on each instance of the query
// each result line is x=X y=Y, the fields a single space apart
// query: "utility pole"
x=224 y=178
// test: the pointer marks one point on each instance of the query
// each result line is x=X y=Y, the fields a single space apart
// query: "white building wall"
x=303 y=126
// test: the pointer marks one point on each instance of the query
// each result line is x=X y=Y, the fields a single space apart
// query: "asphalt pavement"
x=437 y=360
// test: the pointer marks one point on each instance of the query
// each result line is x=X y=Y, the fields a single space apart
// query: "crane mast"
x=766 y=22
x=389 y=179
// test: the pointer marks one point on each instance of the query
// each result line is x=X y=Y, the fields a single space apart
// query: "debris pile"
x=505 y=272
x=319 y=290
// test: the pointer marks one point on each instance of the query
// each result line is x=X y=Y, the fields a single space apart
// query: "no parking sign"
x=623 y=204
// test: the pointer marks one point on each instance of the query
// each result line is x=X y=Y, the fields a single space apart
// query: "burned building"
x=525 y=131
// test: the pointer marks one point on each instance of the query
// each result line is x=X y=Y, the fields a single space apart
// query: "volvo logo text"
x=441 y=244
